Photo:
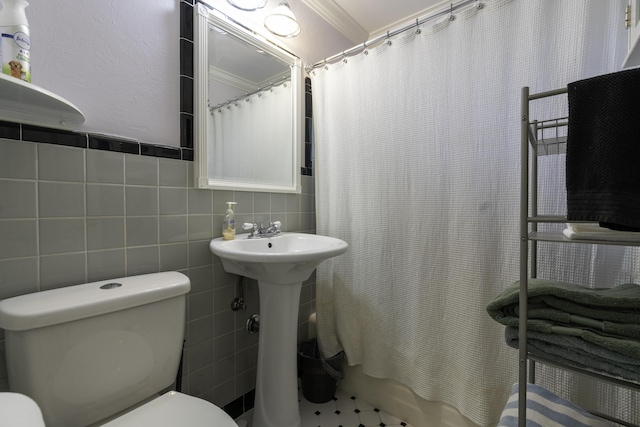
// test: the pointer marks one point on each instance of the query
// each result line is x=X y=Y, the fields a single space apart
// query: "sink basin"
x=286 y=258
x=280 y=264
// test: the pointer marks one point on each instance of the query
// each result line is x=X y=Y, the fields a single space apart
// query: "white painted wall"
x=118 y=60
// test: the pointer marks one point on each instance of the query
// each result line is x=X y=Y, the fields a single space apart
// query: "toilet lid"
x=18 y=410
x=175 y=409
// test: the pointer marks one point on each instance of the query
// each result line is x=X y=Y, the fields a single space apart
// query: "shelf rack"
x=543 y=138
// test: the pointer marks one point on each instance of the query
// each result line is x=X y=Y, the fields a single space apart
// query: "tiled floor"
x=345 y=411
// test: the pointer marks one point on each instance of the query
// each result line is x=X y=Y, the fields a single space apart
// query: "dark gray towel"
x=603 y=150
x=577 y=352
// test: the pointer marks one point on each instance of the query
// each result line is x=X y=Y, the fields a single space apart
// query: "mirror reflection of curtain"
x=250 y=135
x=417 y=168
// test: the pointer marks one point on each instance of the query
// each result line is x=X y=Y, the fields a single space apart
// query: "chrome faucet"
x=272 y=230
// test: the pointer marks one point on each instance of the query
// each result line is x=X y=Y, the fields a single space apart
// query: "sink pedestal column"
x=276 y=403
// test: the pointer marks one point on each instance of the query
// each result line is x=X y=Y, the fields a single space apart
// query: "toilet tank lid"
x=71 y=303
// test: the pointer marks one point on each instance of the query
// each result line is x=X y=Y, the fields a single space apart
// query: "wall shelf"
x=30 y=104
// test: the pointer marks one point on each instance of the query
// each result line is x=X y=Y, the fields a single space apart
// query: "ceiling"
x=332 y=26
x=360 y=20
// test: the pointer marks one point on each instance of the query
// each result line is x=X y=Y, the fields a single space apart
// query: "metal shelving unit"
x=542 y=138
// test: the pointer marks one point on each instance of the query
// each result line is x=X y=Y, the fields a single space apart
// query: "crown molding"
x=339 y=19
x=231 y=79
x=411 y=18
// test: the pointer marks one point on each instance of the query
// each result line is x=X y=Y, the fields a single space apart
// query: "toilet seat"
x=174 y=409
x=19 y=410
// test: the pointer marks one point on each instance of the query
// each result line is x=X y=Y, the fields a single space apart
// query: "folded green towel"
x=565 y=308
x=577 y=352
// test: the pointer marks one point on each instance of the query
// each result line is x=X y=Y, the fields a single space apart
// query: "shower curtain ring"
x=418 y=31
x=344 y=57
x=364 y=48
x=388 y=39
x=451 y=16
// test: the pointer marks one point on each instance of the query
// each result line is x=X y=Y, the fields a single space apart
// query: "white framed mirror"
x=248 y=96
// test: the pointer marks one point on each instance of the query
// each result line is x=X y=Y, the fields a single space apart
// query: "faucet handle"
x=249 y=226
x=276 y=225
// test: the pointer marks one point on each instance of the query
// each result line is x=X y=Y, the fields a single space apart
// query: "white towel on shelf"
x=589 y=231
x=546 y=409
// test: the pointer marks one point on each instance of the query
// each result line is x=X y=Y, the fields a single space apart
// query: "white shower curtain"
x=250 y=135
x=417 y=160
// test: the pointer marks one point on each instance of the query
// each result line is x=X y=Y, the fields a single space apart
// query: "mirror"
x=248 y=108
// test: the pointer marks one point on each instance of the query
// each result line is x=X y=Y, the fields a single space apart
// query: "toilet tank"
x=87 y=352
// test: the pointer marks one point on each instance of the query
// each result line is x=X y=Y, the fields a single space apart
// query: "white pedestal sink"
x=280 y=264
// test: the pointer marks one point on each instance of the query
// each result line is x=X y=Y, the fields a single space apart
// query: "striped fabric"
x=545 y=409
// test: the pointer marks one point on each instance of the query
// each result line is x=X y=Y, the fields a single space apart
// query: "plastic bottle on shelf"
x=15 y=45
x=229 y=223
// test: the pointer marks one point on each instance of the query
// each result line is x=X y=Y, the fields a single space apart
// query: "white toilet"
x=18 y=410
x=101 y=353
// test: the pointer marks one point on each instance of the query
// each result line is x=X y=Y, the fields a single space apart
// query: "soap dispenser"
x=229 y=223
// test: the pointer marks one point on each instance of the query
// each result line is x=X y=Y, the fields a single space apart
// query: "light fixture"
x=248 y=5
x=282 y=22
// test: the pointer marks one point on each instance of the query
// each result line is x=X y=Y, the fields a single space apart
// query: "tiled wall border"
x=186 y=74
x=307 y=167
x=241 y=405
x=22 y=132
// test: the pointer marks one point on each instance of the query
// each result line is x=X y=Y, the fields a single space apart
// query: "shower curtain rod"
x=361 y=47
x=246 y=96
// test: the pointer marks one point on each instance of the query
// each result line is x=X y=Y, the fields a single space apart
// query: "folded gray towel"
x=577 y=352
x=604 y=311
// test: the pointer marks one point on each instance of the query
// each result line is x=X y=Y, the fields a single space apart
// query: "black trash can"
x=318 y=379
